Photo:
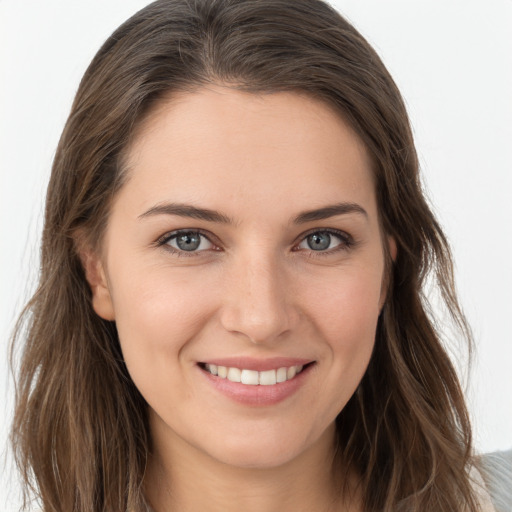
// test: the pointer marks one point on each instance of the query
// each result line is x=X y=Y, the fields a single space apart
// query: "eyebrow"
x=329 y=211
x=187 y=210
x=206 y=214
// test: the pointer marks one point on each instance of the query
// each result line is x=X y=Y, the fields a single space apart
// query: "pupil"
x=188 y=241
x=319 y=241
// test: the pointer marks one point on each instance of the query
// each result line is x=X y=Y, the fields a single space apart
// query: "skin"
x=254 y=289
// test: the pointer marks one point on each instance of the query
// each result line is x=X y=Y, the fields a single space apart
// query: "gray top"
x=496 y=470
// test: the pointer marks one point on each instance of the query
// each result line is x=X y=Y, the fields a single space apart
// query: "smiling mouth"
x=253 y=377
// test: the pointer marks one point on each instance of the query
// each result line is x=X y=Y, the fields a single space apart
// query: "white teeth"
x=268 y=378
x=252 y=377
x=234 y=374
x=281 y=375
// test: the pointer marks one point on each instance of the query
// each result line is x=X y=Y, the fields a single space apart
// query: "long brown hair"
x=80 y=432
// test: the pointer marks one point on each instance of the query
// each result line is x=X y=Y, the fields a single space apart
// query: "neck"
x=180 y=477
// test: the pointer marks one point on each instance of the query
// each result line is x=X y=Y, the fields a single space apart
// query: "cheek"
x=346 y=307
x=158 y=301
x=345 y=313
x=157 y=314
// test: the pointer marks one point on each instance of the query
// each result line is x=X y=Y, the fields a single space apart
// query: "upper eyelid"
x=338 y=232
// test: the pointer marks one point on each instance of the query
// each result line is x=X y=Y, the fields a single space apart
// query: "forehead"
x=236 y=149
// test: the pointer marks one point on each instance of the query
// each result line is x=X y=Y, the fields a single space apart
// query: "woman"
x=230 y=310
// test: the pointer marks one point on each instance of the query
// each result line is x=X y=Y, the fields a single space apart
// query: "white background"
x=452 y=60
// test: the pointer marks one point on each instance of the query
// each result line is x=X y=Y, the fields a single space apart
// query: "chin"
x=254 y=458
x=266 y=450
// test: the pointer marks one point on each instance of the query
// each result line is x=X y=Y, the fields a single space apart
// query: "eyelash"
x=346 y=242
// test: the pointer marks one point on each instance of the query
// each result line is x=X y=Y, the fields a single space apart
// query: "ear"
x=391 y=252
x=97 y=279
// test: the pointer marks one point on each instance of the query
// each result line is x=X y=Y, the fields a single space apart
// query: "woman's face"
x=245 y=243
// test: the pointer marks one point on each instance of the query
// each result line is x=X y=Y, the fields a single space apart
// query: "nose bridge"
x=257 y=301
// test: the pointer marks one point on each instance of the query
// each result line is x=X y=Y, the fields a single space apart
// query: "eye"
x=188 y=241
x=326 y=241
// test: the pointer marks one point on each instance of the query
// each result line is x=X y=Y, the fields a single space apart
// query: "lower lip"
x=258 y=395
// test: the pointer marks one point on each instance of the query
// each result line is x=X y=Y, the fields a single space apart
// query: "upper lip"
x=260 y=365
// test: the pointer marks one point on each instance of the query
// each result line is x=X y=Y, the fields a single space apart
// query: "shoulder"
x=496 y=473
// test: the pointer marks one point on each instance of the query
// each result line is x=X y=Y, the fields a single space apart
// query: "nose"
x=258 y=300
